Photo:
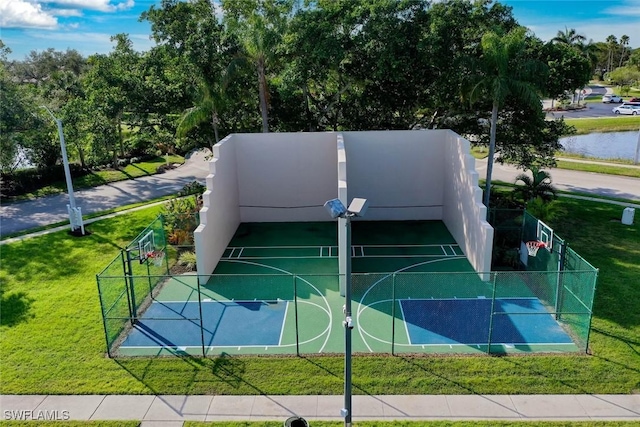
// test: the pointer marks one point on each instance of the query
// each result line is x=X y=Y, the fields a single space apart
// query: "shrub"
x=188 y=260
x=193 y=187
x=181 y=220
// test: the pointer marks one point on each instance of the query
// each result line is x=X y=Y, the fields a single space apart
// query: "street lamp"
x=336 y=209
x=75 y=214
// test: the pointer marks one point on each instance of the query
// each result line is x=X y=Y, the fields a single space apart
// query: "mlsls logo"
x=31 y=415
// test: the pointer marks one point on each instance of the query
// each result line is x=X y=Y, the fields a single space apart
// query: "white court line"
x=406 y=327
x=444 y=250
x=231 y=253
x=361 y=305
x=284 y=320
x=362 y=250
x=321 y=248
x=330 y=326
x=240 y=253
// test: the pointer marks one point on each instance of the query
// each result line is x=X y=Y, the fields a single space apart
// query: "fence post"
x=126 y=270
x=559 y=282
x=593 y=292
x=104 y=316
x=204 y=352
x=295 y=306
x=491 y=314
x=393 y=314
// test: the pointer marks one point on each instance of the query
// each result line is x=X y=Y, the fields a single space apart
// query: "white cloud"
x=626 y=9
x=24 y=14
x=66 y=12
x=99 y=5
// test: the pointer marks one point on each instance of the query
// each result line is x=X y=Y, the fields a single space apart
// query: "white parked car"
x=629 y=109
x=612 y=99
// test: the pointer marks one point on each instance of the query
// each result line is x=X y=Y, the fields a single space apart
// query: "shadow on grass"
x=14 y=308
x=144 y=172
x=224 y=368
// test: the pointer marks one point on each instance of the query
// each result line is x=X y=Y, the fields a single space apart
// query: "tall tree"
x=505 y=71
x=612 y=44
x=624 y=42
x=569 y=37
x=258 y=26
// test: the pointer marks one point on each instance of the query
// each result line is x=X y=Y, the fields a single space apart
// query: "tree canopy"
x=285 y=65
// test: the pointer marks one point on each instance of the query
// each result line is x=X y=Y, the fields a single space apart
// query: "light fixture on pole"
x=336 y=209
x=75 y=214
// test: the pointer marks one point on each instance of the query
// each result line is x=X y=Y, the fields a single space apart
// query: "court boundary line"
x=328 y=306
x=361 y=305
x=327 y=330
x=478 y=345
x=404 y=321
x=357 y=251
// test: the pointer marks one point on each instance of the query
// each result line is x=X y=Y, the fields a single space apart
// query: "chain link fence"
x=149 y=308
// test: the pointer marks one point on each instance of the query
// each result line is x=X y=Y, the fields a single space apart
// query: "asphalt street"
x=48 y=210
x=25 y=215
x=593 y=184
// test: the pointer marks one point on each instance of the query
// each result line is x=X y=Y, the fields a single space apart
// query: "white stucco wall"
x=285 y=176
x=464 y=214
x=342 y=223
x=220 y=215
x=401 y=173
x=405 y=175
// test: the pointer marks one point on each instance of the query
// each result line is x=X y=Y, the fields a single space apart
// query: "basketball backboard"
x=545 y=235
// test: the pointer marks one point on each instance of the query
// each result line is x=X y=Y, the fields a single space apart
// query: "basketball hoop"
x=533 y=246
x=157 y=257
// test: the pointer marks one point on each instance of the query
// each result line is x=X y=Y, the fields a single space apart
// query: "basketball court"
x=272 y=295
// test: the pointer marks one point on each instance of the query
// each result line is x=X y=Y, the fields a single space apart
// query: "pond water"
x=610 y=145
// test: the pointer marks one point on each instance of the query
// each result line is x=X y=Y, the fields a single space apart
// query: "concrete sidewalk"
x=169 y=411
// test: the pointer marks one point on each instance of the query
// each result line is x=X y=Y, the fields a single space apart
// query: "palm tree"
x=569 y=37
x=505 y=72
x=211 y=101
x=612 y=43
x=258 y=54
x=624 y=42
x=536 y=185
x=259 y=27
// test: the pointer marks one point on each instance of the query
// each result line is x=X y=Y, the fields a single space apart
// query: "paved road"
x=594 y=109
x=48 y=210
x=567 y=180
x=25 y=215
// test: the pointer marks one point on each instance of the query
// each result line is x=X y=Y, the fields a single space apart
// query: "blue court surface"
x=228 y=323
x=467 y=321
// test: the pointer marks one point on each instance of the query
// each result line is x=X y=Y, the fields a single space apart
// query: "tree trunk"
x=305 y=94
x=262 y=83
x=492 y=151
x=214 y=124
x=119 y=123
x=83 y=164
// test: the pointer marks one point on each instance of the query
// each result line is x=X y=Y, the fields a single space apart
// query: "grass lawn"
x=604 y=124
x=52 y=338
x=600 y=168
x=106 y=176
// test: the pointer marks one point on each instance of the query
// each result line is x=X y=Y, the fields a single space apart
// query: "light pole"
x=336 y=209
x=75 y=216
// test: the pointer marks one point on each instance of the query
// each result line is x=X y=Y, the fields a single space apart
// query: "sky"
x=87 y=25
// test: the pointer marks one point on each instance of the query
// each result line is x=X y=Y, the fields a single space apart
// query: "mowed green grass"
x=101 y=177
x=604 y=124
x=52 y=338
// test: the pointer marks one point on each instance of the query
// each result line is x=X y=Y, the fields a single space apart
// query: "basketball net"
x=533 y=246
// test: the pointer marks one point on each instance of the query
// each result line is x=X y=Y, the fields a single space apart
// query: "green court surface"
x=296 y=264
